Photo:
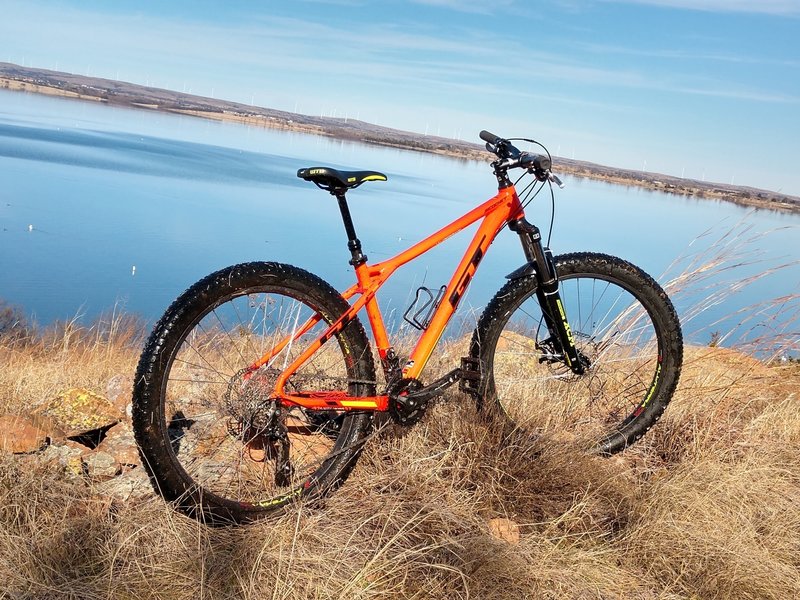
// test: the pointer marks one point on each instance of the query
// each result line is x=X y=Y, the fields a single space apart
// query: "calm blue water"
x=89 y=191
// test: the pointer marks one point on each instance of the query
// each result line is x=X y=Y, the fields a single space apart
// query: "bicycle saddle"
x=328 y=178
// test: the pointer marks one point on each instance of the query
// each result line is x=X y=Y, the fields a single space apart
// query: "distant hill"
x=16 y=77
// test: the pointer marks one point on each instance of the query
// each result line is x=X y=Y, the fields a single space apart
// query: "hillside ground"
x=707 y=505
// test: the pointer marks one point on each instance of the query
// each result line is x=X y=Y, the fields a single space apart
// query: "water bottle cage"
x=418 y=316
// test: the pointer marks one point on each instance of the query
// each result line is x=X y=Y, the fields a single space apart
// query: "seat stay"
x=333 y=399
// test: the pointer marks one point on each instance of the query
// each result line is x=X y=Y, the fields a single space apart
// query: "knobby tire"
x=625 y=328
x=197 y=418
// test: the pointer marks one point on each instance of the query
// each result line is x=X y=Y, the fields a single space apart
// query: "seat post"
x=353 y=243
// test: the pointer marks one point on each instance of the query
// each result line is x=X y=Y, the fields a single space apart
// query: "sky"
x=706 y=89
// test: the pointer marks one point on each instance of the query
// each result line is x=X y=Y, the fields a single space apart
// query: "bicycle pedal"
x=470 y=375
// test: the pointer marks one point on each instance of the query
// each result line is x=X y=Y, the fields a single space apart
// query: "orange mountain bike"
x=258 y=386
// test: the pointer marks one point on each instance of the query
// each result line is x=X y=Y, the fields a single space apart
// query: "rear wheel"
x=626 y=332
x=212 y=440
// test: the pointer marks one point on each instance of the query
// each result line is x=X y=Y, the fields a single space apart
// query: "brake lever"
x=554 y=178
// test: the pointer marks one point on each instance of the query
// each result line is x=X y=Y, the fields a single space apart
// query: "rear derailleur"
x=258 y=422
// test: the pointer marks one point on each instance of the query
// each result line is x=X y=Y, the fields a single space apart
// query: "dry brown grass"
x=36 y=367
x=706 y=506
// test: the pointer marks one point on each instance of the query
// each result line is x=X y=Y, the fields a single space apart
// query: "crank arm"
x=436 y=388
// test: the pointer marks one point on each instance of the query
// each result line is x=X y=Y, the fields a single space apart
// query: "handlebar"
x=512 y=157
x=499 y=146
x=490 y=138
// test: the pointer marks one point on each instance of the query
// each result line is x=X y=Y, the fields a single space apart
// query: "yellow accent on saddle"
x=374 y=178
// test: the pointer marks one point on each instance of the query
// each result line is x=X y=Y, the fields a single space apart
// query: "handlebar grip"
x=537 y=162
x=490 y=137
x=542 y=163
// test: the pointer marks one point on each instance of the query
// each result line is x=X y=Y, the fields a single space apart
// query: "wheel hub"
x=555 y=359
x=249 y=405
x=257 y=420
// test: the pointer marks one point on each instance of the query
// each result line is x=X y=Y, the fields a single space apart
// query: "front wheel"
x=627 y=335
x=212 y=439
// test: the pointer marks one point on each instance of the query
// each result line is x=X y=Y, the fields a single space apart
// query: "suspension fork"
x=555 y=317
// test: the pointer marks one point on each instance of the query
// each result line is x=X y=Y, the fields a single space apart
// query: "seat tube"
x=373 y=311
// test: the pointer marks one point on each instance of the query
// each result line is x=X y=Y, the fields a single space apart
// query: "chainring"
x=404 y=412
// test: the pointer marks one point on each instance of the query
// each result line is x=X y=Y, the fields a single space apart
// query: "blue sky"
x=702 y=88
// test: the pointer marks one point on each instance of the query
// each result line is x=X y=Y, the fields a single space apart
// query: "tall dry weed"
x=700 y=281
x=68 y=354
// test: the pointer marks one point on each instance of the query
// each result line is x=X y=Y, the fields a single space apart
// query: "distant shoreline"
x=67 y=85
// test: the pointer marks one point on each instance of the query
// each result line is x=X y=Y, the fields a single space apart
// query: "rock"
x=67 y=454
x=203 y=437
x=100 y=466
x=504 y=529
x=130 y=486
x=120 y=443
x=77 y=411
x=20 y=434
x=119 y=391
x=44 y=422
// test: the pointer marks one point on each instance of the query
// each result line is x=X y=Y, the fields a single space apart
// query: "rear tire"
x=623 y=324
x=200 y=423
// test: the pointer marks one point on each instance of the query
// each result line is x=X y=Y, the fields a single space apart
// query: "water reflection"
x=139 y=155
x=106 y=189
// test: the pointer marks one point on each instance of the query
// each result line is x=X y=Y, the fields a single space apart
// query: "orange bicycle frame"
x=495 y=213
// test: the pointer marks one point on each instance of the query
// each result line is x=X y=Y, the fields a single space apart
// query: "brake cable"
x=529 y=198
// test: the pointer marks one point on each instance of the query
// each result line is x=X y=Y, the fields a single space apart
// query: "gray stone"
x=100 y=466
x=130 y=486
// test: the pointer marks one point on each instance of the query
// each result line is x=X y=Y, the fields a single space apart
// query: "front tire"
x=624 y=326
x=210 y=438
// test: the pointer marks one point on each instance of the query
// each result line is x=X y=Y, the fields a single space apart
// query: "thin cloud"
x=406 y=65
x=769 y=7
x=686 y=55
x=469 y=6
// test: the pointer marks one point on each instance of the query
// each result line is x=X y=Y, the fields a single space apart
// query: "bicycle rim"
x=226 y=435
x=616 y=337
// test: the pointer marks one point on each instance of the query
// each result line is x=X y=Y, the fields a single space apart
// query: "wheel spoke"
x=231 y=439
x=615 y=335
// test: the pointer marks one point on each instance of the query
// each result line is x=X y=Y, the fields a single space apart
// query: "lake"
x=103 y=206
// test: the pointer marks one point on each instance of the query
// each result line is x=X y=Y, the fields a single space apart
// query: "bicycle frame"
x=494 y=214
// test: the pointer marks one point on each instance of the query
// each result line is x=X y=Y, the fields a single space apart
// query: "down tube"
x=488 y=230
